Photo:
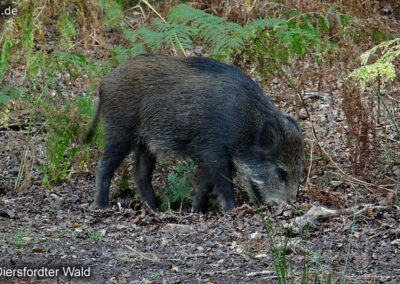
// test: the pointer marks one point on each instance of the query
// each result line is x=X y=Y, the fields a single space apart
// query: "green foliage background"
x=270 y=43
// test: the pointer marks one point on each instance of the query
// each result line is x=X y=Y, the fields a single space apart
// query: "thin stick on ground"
x=153 y=258
x=310 y=166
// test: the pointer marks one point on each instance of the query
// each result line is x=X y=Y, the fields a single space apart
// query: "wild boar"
x=200 y=108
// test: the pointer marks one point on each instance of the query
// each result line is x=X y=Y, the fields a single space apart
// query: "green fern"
x=64 y=129
x=5 y=53
x=382 y=68
x=220 y=35
x=149 y=37
x=66 y=28
x=8 y=93
x=113 y=10
x=223 y=38
x=174 y=32
x=76 y=64
x=178 y=192
x=25 y=22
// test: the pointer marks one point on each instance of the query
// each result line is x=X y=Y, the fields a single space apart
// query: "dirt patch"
x=57 y=229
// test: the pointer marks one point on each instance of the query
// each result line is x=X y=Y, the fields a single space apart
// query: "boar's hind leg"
x=145 y=163
x=219 y=178
x=113 y=155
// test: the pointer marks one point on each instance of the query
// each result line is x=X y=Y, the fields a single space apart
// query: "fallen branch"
x=152 y=258
x=318 y=212
x=258 y=273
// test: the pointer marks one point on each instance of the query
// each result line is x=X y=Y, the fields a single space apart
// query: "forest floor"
x=56 y=228
x=357 y=242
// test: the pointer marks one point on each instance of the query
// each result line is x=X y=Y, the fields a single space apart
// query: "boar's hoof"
x=152 y=207
x=198 y=209
x=95 y=207
x=228 y=205
x=99 y=205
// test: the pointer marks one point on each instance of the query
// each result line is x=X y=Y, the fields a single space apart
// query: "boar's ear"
x=271 y=135
x=293 y=133
x=292 y=121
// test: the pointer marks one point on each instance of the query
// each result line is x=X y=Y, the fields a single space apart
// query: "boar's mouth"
x=260 y=199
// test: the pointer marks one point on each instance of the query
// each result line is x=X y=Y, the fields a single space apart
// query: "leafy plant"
x=155 y=275
x=179 y=185
x=318 y=275
x=5 y=53
x=68 y=233
x=124 y=180
x=18 y=238
x=9 y=93
x=66 y=29
x=348 y=250
x=120 y=54
x=54 y=68
x=383 y=68
x=65 y=130
x=25 y=23
x=94 y=234
x=248 y=249
x=185 y=23
x=50 y=71
x=280 y=263
x=189 y=271
x=113 y=10
x=264 y=40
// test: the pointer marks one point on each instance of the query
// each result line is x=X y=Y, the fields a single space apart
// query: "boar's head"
x=273 y=168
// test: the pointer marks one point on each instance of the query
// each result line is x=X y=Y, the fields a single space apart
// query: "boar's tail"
x=92 y=126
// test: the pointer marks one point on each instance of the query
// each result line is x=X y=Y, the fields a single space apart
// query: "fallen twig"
x=319 y=212
x=309 y=168
x=369 y=207
x=152 y=258
x=257 y=273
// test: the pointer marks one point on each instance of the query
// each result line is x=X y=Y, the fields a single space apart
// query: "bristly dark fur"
x=200 y=108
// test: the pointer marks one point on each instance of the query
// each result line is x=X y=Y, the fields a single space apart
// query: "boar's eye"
x=282 y=174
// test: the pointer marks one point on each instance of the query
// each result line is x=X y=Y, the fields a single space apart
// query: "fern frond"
x=5 y=53
x=271 y=22
x=150 y=38
x=184 y=14
x=8 y=93
x=383 y=67
x=224 y=38
x=172 y=32
x=220 y=35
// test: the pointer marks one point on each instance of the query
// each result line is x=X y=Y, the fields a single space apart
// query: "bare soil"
x=57 y=229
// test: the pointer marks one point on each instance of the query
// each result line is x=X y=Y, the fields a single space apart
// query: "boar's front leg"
x=145 y=163
x=214 y=175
